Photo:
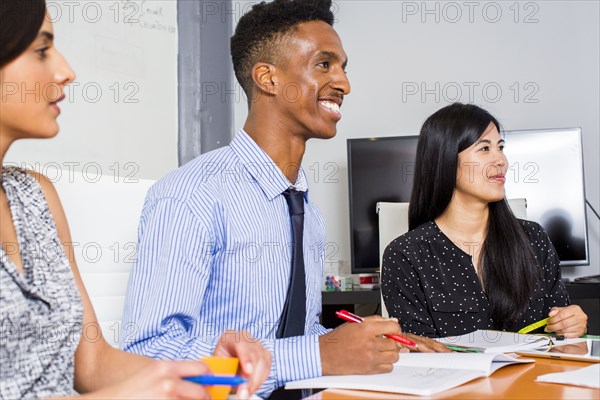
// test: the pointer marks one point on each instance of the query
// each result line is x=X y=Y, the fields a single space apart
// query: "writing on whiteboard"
x=148 y=15
x=156 y=15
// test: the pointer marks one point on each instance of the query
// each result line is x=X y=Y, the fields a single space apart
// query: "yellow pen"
x=534 y=326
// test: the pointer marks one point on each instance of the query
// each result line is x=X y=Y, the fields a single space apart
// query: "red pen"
x=349 y=317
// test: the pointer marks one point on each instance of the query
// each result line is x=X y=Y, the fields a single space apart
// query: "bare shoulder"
x=41 y=178
x=47 y=187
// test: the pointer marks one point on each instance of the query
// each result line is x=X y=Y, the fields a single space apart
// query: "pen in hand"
x=214 y=380
x=534 y=326
x=349 y=317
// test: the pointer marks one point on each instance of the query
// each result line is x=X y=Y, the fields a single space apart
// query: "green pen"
x=464 y=349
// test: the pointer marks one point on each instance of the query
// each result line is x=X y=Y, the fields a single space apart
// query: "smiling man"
x=232 y=241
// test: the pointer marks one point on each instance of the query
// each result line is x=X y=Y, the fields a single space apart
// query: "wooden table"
x=510 y=382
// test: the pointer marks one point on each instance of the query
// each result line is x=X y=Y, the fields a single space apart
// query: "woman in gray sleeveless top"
x=41 y=309
x=43 y=304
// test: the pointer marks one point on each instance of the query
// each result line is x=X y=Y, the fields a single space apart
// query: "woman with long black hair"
x=467 y=262
x=44 y=306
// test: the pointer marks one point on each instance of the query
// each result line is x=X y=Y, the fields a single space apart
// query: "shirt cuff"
x=295 y=358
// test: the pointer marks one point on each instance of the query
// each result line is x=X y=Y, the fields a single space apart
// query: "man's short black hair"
x=259 y=32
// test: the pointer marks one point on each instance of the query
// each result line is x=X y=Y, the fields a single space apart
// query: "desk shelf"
x=353 y=297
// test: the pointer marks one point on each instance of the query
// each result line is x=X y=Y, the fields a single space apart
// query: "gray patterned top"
x=40 y=309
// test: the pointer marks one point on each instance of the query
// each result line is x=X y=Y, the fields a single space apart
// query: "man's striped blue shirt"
x=214 y=254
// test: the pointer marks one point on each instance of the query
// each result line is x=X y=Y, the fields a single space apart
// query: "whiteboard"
x=120 y=115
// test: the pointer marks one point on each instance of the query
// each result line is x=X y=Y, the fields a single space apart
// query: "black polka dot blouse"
x=431 y=286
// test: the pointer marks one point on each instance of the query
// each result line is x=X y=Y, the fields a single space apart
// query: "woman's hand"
x=569 y=321
x=255 y=360
x=159 y=380
x=427 y=345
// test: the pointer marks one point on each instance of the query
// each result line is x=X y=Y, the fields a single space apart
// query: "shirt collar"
x=263 y=169
x=301 y=185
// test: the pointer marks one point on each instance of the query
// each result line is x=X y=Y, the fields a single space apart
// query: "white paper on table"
x=587 y=376
x=491 y=341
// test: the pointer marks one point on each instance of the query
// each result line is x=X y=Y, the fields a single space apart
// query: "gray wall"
x=204 y=75
x=543 y=56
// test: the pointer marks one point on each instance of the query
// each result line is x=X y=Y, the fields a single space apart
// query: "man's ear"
x=264 y=77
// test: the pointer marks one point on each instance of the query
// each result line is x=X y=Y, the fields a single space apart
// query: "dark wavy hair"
x=20 y=22
x=259 y=33
x=510 y=271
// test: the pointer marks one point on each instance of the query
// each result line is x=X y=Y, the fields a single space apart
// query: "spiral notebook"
x=489 y=341
x=422 y=374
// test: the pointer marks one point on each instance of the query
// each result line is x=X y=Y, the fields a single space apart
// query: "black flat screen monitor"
x=545 y=168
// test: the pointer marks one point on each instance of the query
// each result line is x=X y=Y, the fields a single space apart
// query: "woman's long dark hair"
x=20 y=22
x=510 y=271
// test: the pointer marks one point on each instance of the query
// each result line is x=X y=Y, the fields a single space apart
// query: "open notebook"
x=423 y=374
x=488 y=341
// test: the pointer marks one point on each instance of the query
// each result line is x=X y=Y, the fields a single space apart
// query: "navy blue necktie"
x=293 y=316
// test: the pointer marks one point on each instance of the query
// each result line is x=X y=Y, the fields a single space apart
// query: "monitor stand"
x=588 y=279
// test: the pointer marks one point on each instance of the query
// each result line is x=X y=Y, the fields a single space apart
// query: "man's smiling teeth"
x=331 y=105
